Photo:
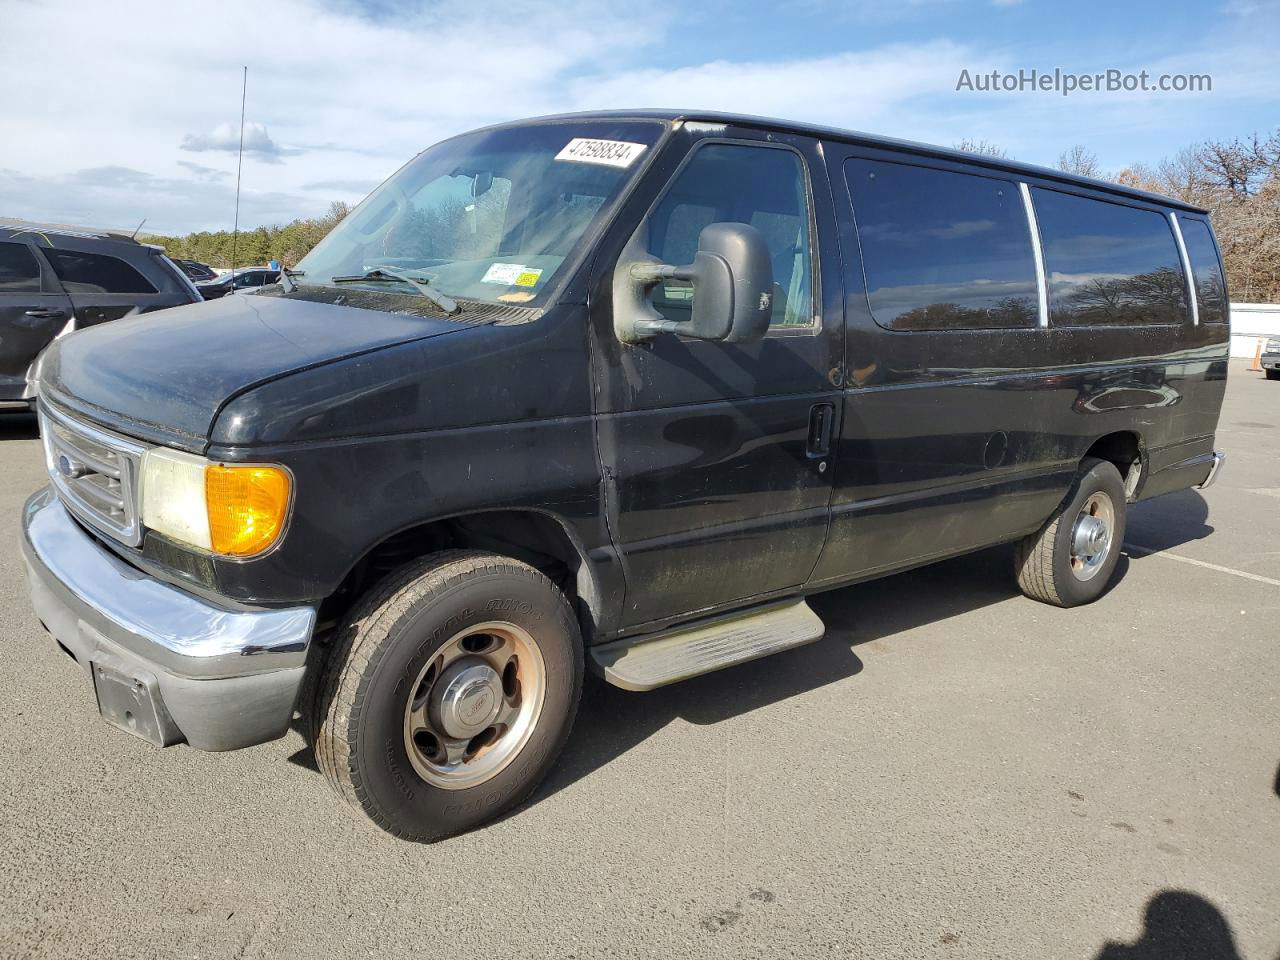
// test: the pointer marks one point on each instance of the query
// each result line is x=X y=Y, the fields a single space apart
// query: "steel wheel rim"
x=1091 y=535
x=474 y=705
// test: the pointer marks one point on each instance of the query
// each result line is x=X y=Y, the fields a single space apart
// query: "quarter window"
x=1211 y=291
x=943 y=250
x=96 y=273
x=1107 y=263
x=733 y=183
x=19 y=272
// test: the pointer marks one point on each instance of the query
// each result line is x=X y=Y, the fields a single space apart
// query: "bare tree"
x=984 y=147
x=1079 y=160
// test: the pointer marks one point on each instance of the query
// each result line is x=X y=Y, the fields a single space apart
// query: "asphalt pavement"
x=954 y=771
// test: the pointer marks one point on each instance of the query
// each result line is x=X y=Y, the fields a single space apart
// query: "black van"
x=612 y=389
x=55 y=279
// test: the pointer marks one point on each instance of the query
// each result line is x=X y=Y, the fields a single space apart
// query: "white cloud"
x=226 y=138
x=862 y=89
x=346 y=97
x=140 y=118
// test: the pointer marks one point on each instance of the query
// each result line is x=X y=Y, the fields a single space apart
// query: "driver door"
x=715 y=455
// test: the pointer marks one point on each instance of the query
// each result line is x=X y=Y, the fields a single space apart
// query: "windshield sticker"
x=529 y=278
x=611 y=153
x=503 y=273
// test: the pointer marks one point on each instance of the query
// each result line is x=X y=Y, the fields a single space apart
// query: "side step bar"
x=648 y=662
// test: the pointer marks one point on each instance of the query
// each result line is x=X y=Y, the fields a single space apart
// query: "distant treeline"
x=287 y=244
x=1237 y=181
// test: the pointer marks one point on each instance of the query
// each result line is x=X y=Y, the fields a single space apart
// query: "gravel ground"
x=955 y=771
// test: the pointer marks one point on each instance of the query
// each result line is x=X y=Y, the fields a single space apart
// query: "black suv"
x=197 y=271
x=246 y=280
x=56 y=279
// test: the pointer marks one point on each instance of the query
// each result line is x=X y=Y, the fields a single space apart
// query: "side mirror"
x=732 y=278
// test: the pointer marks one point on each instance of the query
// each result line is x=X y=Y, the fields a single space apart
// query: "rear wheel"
x=451 y=692
x=1072 y=558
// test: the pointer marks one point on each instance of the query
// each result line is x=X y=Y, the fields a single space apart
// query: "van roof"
x=871 y=140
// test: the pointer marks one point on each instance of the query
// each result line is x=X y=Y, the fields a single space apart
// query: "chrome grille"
x=95 y=473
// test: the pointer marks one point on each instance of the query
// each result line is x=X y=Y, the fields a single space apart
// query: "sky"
x=115 y=111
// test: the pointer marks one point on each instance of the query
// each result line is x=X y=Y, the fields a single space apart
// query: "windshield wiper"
x=421 y=284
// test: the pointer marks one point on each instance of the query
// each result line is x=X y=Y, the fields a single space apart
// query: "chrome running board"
x=648 y=662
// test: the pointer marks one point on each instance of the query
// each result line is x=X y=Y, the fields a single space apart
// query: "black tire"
x=1273 y=374
x=1043 y=560
x=358 y=719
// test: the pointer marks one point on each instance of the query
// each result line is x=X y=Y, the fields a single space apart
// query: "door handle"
x=822 y=418
x=46 y=314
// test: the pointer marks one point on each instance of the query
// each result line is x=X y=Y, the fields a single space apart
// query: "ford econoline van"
x=615 y=391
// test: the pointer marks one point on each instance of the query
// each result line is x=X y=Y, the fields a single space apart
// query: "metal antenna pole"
x=235 y=231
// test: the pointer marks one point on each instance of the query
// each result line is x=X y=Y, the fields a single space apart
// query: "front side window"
x=19 y=272
x=490 y=216
x=943 y=250
x=1211 y=290
x=96 y=273
x=765 y=187
x=1108 y=263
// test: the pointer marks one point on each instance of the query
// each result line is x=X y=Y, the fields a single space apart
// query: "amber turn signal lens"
x=247 y=506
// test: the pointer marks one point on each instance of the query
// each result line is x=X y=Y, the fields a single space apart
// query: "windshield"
x=490 y=216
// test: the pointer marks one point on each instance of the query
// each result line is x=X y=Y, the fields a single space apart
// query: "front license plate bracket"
x=130 y=699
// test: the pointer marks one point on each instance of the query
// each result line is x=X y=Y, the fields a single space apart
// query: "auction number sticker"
x=611 y=153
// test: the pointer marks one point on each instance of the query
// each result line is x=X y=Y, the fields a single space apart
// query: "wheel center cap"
x=1091 y=536
x=469 y=698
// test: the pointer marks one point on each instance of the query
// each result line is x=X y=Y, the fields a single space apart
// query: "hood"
x=165 y=375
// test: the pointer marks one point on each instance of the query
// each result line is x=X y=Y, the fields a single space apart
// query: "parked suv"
x=246 y=280
x=1271 y=358
x=198 y=272
x=618 y=390
x=57 y=279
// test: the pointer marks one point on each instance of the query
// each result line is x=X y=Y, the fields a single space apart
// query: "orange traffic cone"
x=1257 y=359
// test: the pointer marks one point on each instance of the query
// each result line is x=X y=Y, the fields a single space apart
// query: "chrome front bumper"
x=166 y=665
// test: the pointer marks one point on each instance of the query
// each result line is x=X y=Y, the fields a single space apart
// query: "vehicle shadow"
x=1178 y=925
x=1168 y=521
x=19 y=426
x=613 y=721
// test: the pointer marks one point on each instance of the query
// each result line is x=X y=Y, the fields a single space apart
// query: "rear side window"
x=1211 y=290
x=943 y=250
x=19 y=272
x=96 y=273
x=1107 y=263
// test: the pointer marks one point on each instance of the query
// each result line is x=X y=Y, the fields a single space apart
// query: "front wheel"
x=451 y=690
x=1071 y=559
x=1273 y=374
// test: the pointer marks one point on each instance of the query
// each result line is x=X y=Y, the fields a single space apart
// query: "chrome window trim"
x=129 y=453
x=1037 y=252
x=1192 y=294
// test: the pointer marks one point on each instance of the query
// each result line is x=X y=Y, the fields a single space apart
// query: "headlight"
x=230 y=509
